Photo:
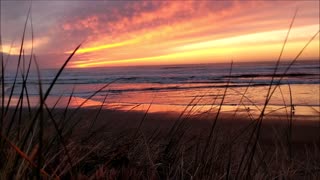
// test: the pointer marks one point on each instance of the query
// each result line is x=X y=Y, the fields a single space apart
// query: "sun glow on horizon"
x=240 y=47
x=102 y=47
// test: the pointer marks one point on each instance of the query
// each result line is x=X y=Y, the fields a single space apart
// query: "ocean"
x=199 y=87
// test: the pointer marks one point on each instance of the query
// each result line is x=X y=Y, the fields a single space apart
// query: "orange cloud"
x=208 y=53
x=105 y=46
x=192 y=32
x=90 y=22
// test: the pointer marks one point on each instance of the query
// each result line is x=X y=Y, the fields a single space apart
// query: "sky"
x=126 y=33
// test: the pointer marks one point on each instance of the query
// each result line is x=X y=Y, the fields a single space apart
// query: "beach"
x=304 y=129
x=122 y=138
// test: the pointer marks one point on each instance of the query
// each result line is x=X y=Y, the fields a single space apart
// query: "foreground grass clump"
x=115 y=148
x=47 y=142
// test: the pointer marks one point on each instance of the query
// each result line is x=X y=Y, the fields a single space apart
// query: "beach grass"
x=59 y=143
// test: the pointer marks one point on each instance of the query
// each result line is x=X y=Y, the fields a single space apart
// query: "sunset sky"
x=124 y=33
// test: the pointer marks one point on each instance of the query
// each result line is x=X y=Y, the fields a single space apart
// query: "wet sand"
x=305 y=130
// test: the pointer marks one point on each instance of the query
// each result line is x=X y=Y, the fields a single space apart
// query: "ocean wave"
x=292 y=78
x=271 y=75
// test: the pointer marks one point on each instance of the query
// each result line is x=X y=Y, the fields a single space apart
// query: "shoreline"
x=305 y=112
